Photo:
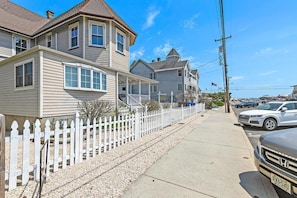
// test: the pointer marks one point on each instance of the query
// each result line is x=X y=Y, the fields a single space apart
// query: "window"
x=179 y=72
x=97 y=34
x=73 y=35
x=153 y=76
x=120 y=41
x=48 y=39
x=153 y=88
x=179 y=87
x=84 y=78
x=20 y=44
x=24 y=74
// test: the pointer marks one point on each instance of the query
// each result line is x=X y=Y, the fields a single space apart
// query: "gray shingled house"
x=177 y=82
x=48 y=65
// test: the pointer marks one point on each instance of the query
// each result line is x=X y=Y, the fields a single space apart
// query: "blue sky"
x=261 y=54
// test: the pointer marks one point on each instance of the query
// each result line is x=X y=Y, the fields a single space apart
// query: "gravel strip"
x=110 y=174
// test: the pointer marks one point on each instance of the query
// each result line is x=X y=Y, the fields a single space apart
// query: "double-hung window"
x=20 y=44
x=96 y=34
x=120 y=41
x=48 y=39
x=84 y=77
x=24 y=74
x=74 y=35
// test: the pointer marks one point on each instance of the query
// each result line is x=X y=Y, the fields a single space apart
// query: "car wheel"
x=270 y=124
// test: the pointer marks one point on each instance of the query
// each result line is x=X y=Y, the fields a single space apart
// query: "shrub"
x=152 y=105
x=95 y=108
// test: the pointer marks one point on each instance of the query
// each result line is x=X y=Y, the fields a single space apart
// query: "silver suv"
x=276 y=158
x=271 y=115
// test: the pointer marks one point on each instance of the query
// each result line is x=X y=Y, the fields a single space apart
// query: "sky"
x=261 y=53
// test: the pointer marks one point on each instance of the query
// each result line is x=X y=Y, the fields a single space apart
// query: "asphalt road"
x=253 y=134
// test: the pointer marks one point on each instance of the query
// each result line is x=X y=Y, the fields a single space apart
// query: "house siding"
x=6 y=45
x=99 y=55
x=20 y=102
x=58 y=101
x=120 y=61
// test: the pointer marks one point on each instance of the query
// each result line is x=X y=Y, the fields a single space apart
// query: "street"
x=253 y=134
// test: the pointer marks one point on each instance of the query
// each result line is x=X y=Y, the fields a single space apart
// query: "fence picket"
x=94 y=137
x=72 y=152
x=56 y=146
x=110 y=130
x=65 y=139
x=13 y=156
x=100 y=134
x=88 y=140
x=47 y=132
x=26 y=152
x=37 y=147
x=105 y=134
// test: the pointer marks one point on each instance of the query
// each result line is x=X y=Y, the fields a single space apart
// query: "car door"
x=289 y=117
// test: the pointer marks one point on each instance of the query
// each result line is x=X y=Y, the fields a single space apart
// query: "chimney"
x=49 y=14
x=158 y=59
x=153 y=61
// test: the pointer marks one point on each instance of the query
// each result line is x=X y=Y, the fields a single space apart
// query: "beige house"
x=48 y=65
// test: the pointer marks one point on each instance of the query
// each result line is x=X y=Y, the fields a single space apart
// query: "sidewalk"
x=214 y=160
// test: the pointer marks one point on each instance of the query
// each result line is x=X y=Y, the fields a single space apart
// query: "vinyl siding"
x=58 y=101
x=21 y=102
x=6 y=44
x=120 y=61
x=99 y=55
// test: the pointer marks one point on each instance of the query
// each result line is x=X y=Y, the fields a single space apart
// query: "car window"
x=290 y=106
x=269 y=106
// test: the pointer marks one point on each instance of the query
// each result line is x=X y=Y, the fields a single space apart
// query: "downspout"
x=117 y=89
x=84 y=37
x=40 y=84
x=56 y=40
x=110 y=44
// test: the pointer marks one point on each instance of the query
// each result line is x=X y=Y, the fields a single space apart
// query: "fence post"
x=182 y=112
x=162 y=118
x=76 y=145
x=137 y=125
x=2 y=155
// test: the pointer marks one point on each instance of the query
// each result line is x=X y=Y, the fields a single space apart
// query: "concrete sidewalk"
x=214 y=160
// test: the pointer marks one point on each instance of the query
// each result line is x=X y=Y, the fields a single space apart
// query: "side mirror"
x=284 y=109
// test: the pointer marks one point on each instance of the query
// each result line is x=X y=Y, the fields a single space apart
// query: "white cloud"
x=190 y=23
x=162 y=50
x=152 y=14
x=137 y=54
x=267 y=73
x=264 y=51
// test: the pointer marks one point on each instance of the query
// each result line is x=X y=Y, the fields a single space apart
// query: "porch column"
x=127 y=90
x=117 y=89
x=139 y=91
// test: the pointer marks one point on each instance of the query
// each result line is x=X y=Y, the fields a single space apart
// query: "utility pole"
x=223 y=49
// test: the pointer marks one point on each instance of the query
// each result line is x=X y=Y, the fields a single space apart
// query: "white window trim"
x=70 y=27
x=90 y=33
x=33 y=74
x=14 y=36
x=124 y=42
x=47 y=40
x=80 y=66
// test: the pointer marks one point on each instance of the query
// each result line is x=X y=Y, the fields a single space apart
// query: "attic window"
x=20 y=44
x=48 y=38
x=96 y=34
x=73 y=35
x=120 y=41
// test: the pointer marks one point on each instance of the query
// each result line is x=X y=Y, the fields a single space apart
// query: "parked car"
x=271 y=115
x=276 y=158
x=246 y=104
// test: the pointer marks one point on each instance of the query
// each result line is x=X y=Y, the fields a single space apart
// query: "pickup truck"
x=276 y=158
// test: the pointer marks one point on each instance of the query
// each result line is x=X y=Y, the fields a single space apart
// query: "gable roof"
x=173 y=52
x=16 y=18
x=168 y=65
x=13 y=17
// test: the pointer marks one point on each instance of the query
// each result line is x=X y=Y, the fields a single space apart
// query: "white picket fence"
x=69 y=145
